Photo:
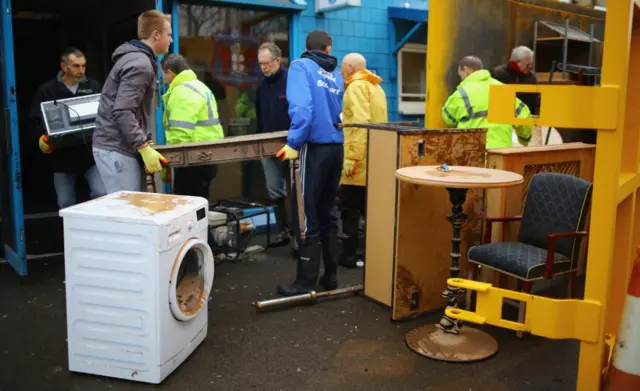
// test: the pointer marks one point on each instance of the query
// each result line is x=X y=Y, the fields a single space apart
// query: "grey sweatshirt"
x=126 y=104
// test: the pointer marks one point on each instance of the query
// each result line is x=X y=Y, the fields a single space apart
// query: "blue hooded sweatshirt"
x=314 y=93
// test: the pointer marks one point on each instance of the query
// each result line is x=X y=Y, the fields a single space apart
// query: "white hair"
x=520 y=53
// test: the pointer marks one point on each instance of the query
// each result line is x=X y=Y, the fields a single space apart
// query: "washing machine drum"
x=191 y=279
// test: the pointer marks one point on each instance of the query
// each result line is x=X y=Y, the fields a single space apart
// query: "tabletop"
x=459 y=177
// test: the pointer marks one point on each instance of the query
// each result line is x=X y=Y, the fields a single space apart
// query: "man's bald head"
x=352 y=63
x=468 y=65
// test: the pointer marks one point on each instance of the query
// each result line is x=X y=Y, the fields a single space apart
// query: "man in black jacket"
x=272 y=112
x=518 y=71
x=76 y=159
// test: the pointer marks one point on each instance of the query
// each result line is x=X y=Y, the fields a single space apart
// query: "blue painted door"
x=10 y=177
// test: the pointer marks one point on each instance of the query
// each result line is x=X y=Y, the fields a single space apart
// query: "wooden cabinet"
x=408 y=239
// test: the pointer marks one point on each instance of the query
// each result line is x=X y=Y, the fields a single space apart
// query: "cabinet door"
x=423 y=238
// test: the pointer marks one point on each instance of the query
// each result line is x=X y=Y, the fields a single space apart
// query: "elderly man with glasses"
x=272 y=112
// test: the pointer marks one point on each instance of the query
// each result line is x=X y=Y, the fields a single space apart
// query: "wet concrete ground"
x=345 y=344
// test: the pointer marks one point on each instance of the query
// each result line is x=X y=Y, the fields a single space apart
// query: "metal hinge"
x=545 y=317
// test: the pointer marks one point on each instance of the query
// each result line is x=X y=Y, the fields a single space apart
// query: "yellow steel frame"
x=613 y=110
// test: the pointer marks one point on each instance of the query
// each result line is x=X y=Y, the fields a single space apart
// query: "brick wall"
x=366 y=30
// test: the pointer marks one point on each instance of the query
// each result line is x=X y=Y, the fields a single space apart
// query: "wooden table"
x=448 y=341
x=403 y=271
x=231 y=149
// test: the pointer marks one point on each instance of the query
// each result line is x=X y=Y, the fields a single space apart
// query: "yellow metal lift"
x=612 y=109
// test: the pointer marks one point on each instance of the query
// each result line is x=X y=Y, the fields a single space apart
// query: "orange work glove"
x=349 y=167
x=44 y=145
x=287 y=153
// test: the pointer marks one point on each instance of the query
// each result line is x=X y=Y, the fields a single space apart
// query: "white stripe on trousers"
x=303 y=175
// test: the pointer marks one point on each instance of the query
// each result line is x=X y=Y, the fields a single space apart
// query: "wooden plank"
x=423 y=236
x=382 y=160
x=539 y=149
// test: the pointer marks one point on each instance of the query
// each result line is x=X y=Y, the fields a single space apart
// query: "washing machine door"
x=191 y=279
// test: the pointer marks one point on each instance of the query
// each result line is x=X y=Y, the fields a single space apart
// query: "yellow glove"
x=287 y=153
x=44 y=145
x=349 y=167
x=152 y=159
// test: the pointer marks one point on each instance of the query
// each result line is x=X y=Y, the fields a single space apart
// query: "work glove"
x=287 y=153
x=44 y=145
x=165 y=174
x=349 y=167
x=152 y=159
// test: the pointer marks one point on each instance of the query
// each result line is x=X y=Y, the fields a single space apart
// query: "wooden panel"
x=381 y=212
x=423 y=237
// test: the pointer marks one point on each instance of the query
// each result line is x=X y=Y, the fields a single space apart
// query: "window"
x=221 y=44
x=412 y=79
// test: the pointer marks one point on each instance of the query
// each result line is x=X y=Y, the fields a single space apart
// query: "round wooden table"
x=448 y=340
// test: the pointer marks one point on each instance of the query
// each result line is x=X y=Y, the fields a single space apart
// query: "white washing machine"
x=139 y=273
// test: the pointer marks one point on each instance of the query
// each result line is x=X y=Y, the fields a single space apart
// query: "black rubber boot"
x=281 y=237
x=307 y=271
x=350 y=222
x=329 y=280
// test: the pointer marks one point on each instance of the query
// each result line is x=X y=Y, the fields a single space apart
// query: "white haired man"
x=518 y=71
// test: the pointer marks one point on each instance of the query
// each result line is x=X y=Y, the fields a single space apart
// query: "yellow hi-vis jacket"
x=190 y=111
x=468 y=108
x=364 y=102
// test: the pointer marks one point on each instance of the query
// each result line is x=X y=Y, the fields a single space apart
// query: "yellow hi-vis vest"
x=190 y=111
x=468 y=106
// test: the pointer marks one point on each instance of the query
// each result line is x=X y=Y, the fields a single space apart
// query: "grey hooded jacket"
x=126 y=104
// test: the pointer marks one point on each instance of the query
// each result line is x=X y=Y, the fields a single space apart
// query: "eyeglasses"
x=268 y=62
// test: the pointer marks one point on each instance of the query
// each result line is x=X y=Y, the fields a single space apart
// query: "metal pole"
x=310 y=297
x=565 y=49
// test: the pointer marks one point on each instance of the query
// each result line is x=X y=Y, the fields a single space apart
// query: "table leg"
x=150 y=182
x=457 y=218
x=448 y=340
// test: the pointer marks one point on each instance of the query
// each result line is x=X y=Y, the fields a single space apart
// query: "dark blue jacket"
x=272 y=108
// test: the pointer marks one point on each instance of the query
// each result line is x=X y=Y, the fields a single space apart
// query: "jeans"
x=65 y=185
x=119 y=172
x=274 y=170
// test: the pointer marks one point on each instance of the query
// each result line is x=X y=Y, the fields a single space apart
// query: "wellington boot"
x=307 y=272
x=329 y=280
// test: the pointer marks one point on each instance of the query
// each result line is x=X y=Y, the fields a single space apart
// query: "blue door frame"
x=14 y=245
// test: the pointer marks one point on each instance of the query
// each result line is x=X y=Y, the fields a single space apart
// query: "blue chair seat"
x=519 y=259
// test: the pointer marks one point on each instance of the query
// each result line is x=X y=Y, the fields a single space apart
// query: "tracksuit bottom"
x=320 y=170
x=352 y=206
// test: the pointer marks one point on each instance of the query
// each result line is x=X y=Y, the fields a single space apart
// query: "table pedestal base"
x=467 y=346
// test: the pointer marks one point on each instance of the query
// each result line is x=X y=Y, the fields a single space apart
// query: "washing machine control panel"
x=184 y=227
x=201 y=214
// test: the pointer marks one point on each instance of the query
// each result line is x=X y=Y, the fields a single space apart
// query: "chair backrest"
x=555 y=203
